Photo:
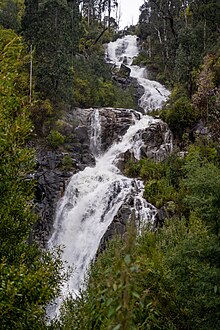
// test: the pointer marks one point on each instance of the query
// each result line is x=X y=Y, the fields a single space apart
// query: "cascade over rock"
x=155 y=142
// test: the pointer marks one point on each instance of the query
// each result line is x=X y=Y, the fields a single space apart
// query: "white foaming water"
x=95 y=136
x=123 y=51
x=94 y=196
x=92 y=199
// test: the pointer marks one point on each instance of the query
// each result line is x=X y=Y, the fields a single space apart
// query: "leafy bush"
x=203 y=190
x=159 y=192
x=41 y=112
x=162 y=179
x=67 y=163
x=55 y=139
x=180 y=116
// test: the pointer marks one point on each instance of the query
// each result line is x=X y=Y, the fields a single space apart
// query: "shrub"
x=55 y=139
x=67 y=163
x=180 y=116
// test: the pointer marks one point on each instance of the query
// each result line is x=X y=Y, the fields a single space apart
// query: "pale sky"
x=129 y=12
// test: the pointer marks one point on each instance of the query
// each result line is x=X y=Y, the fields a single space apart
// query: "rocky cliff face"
x=53 y=175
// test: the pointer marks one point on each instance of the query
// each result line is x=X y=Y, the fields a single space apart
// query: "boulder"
x=124 y=71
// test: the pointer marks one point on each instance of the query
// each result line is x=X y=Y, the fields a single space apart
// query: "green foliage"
x=163 y=280
x=181 y=39
x=191 y=253
x=180 y=116
x=207 y=97
x=26 y=287
x=41 y=111
x=188 y=55
x=52 y=28
x=159 y=192
x=10 y=14
x=203 y=190
x=93 y=85
x=181 y=33
x=67 y=163
x=190 y=184
x=55 y=139
x=28 y=276
x=162 y=179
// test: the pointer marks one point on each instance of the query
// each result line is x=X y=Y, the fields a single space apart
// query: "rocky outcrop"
x=114 y=123
x=155 y=142
x=51 y=184
x=53 y=175
x=124 y=71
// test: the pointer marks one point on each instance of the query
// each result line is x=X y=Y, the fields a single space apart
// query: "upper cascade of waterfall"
x=123 y=51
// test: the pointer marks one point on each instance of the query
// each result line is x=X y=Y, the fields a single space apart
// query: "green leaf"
x=135 y=294
x=118 y=326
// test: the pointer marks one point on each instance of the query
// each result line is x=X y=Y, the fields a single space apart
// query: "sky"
x=129 y=12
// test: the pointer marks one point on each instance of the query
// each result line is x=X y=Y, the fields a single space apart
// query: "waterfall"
x=124 y=50
x=95 y=135
x=94 y=195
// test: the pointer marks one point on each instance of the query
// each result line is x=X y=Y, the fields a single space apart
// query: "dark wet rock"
x=81 y=133
x=156 y=144
x=114 y=124
x=124 y=71
x=51 y=183
x=165 y=212
x=118 y=225
x=157 y=141
x=199 y=130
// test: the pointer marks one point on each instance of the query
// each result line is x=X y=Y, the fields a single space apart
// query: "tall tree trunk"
x=165 y=39
x=184 y=4
x=109 y=13
x=31 y=74
x=204 y=34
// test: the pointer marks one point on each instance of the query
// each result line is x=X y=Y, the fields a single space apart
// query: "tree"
x=28 y=276
x=52 y=28
x=180 y=116
x=181 y=32
x=10 y=14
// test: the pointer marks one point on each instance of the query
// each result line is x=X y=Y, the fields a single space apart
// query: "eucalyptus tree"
x=179 y=32
x=94 y=10
x=52 y=27
x=161 y=19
